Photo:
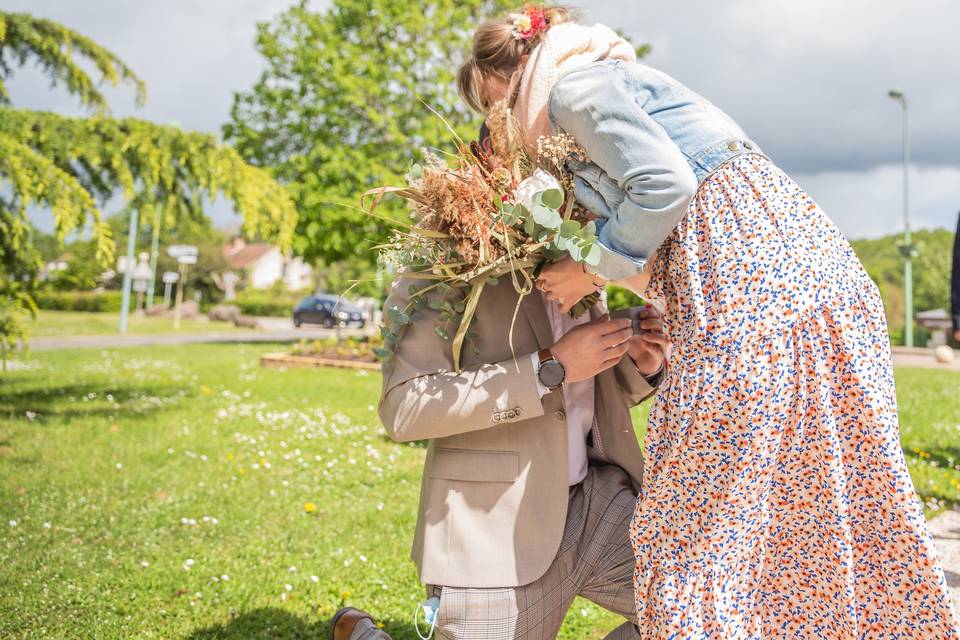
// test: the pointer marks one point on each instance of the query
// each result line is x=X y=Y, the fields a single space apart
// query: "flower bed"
x=352 y=353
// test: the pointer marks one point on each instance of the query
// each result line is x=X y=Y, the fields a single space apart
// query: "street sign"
x=187 y=259
x=180 y=250
x=169 y=277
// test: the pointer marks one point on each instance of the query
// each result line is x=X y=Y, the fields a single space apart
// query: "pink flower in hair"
x=531 y=22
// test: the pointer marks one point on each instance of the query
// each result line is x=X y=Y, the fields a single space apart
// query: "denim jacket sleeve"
x=642 y=183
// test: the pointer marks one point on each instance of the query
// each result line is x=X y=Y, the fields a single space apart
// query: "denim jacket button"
x=732 y=146
x=748 y=145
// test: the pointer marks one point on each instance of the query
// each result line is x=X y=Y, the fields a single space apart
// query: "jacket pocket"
x=473 y=465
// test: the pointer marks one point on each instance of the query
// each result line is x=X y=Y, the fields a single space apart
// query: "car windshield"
x=341 y=305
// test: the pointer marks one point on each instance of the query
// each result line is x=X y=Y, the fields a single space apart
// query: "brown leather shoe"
x=344 y=621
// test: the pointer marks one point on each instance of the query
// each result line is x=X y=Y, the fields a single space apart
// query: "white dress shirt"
x=579 y=397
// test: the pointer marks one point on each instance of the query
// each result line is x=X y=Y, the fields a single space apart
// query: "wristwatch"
x=550 y=372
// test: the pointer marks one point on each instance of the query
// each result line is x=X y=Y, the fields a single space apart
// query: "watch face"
x=552 y=374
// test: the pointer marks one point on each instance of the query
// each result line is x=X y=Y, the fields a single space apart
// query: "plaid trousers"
x=595 y=560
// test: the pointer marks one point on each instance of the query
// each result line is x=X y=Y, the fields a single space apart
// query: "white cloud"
x=808 y=80
x=868 y=204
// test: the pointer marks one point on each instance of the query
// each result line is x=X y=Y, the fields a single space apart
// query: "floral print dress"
x=776 y=501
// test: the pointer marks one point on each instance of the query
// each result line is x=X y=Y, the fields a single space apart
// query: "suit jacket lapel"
x=533 y=309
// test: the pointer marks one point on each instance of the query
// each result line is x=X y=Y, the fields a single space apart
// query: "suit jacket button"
x=560 y=415
x=516 y=412
x=496 y=417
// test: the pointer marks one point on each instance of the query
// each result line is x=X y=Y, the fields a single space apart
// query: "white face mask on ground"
x=431 y=609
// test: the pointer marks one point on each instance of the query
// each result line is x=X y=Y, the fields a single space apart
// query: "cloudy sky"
x=807 y=80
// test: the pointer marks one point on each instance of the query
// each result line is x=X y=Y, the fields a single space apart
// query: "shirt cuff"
x=654 y=379
x=535 y=359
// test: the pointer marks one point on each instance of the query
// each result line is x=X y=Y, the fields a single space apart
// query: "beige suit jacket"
x=493 y=500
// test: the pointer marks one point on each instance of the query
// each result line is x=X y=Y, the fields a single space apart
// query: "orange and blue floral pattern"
x=776 y=501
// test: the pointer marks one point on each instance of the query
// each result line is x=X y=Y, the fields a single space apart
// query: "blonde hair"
x=497 y=52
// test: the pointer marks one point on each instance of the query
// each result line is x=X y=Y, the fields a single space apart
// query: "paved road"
x=146 y=339
x=922 y=358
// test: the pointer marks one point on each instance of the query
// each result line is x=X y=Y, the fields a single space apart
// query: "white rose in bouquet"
x=540 y=181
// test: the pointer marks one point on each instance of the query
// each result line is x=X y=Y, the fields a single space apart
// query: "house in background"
x=263 y=265
x=52 y=268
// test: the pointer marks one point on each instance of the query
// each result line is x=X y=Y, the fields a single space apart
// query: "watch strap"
x=544 y=355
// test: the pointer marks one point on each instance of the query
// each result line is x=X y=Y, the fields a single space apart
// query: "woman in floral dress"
x=776 y=499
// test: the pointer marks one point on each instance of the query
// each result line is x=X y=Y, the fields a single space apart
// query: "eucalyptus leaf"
x=562 y=243
x=530 y=226
x=552 y=198
x=569 y=228
x=398 y=316
x=547 y=217
x=592 y=256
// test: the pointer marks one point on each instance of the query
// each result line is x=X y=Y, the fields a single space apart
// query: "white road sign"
x=180 y=250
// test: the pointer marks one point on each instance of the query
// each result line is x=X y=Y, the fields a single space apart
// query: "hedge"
x=265 y=305
x=78 y=300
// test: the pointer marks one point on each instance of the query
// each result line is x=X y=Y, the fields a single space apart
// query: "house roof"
x=246 y=255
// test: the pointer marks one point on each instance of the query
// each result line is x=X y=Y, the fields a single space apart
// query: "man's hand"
x=590 y=348
x=566 y=282
x=649 y=349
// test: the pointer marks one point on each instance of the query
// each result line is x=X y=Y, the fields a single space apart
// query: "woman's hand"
x=649 y=349
x=566 y=282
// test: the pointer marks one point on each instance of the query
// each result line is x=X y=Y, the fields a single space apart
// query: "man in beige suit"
x=532 y=466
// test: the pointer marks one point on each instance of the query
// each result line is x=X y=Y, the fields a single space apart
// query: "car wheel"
x=297 y=322
x=328 y=323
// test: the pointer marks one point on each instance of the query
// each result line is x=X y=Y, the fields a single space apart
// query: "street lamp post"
x=907 y=248
x=128 y=272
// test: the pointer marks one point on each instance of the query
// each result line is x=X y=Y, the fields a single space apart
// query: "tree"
x=343 y=107
x=931 y=272
x=68 y=164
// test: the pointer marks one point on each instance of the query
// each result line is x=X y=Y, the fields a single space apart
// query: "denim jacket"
x=650 y=141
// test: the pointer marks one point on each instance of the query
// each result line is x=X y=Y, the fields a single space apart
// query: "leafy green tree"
x=342 y=107
x=83 y=270
x=346 y=103
x=931 y=272
x=68 y=164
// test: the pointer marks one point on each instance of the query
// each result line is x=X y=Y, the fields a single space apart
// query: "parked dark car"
x=329 y=311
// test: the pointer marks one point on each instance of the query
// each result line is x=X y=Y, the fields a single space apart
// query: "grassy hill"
x=931 y=273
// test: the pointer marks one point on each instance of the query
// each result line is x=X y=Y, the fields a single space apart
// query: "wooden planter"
x=284 y=360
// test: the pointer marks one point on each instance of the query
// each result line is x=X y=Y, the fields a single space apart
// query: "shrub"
x=263 y=303
x=620 y=298
x=79 y=300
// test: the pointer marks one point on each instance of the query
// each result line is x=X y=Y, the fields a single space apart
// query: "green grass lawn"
x=185 y=492
x=79 y=323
